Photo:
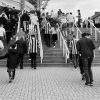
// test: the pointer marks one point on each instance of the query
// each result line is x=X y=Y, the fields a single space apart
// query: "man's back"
x=21 y=46
x=86 y=46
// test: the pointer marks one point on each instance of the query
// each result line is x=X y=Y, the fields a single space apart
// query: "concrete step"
x=50 y=64
x=44 y=65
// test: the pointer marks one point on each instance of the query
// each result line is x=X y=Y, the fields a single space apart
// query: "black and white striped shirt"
x=33 y=45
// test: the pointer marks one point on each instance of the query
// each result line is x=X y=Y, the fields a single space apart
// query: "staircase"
x=52 y=57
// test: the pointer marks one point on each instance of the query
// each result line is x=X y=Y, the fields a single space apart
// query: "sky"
x=87 y=7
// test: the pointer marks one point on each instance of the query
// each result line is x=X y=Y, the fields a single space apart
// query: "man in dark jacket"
x=85 y=47
x=12 y=57
x=24 y=21
x=21 y=49
x=3 y=20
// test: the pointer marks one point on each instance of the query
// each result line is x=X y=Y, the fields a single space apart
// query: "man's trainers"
x=10 y=80
x=29 y=59
x=75 y=68
x=53 y=46
x=83 y=76
x=87 y=83
x=91 y=83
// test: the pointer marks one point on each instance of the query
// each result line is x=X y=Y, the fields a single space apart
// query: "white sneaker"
x=10 y=80
x=53 y=46
x=75 y=68
x=29 y=59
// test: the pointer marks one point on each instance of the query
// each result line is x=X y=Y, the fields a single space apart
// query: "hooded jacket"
x=12 y=58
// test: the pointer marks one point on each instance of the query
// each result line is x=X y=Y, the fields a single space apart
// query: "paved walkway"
x=48 y=83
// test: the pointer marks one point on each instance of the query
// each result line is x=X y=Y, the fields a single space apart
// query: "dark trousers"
x=8 y=36
x=75 y=60
x=87 y=69
x=79 y=23
x=54 y=38
x=20 y=60
x=1 y=38
x=81 y=66
x=11 y=74
x=47 y=39
x=33 y=60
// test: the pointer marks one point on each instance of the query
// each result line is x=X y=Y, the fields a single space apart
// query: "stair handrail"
x=64 y=44
x=93 y=26
x=39 y=38
x=78 y=31
x=19 y=21
x=40 y=43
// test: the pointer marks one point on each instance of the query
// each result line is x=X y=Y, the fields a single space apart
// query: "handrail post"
x=77 y=33
x=95 y=35
x=96 y=29
x=18 y=24
x=90 y=28
x=40 y=43
x=60 y=39
x=63 y=48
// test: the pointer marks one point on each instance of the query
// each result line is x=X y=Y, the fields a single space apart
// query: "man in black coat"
x=12 y=57
x=3 y=20
x=85 y=47
x=21 y=49
x=25 y=21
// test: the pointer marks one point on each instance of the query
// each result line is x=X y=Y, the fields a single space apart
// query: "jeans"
x=12 y=74
x=75 y=60
x=33 y=60
x=87 y=69
x=81 y=66
x=20 y=60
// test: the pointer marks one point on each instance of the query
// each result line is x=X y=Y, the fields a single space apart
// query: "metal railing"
x=40 y=43
x=19 y=21
x=39 y=39
x=63 y=42
x=78 y=32
x=94 y=30
x=64 y=46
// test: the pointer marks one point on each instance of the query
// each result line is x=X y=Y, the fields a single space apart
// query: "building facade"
x=18 y=4
x=96 y=19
